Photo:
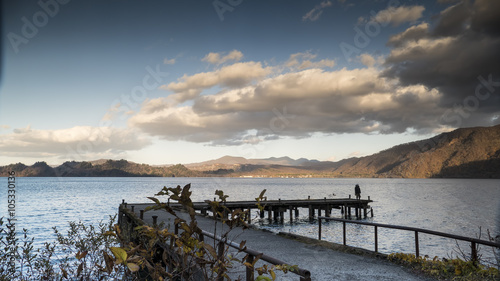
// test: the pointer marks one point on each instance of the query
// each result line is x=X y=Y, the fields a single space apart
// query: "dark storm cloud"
x=459 y=56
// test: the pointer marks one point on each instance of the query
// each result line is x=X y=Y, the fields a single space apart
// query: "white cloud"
x=399 y=15
x=80 y=142
x=355 y=154
x=304 y=60
x=168 y=61
x=234 y=75
x=294 y=104
x=315 y=13
x=412 y=50
x=367 y=60
x=219 y=58
x=413 y=33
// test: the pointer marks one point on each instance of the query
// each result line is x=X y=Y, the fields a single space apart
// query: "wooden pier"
x=276 y=209
x=169 y=252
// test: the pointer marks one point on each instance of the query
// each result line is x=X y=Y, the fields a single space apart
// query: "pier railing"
x=304 y=274
x=128 y=221
x=473 y=241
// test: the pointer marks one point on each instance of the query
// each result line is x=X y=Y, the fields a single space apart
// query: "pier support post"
x=296 y=212
x=282 y=217
x=290 y=209
x=328 y=210
x=276 y=214
x=311 y=212
x=365 y=211
x=249 y=214
x=270 y=214
x=261 y=213
x=349 y=208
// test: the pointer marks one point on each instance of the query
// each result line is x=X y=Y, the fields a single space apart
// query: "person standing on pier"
x=357 y=191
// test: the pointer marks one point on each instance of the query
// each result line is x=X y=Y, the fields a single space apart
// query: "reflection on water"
x=455 y=206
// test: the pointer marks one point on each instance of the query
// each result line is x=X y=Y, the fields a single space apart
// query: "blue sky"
x=163 y=82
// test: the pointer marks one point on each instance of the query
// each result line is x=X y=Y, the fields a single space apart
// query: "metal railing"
x=304 y=274
x=474 y=241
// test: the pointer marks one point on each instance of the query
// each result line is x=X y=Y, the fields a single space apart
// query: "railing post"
x=417 y=251
x=376 y=239
x=343 y=223
x=473 y=255
x=249 y=215
x=319 y=229
x=249 y=270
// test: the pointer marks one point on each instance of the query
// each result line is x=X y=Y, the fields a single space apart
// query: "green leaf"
x=262 y=193
x=119 y=253
x=242 y=245
x=210 y=249
x=81 y=255
x=273 y=275
x=79 y=270
x=154 y=199
x=133 y=267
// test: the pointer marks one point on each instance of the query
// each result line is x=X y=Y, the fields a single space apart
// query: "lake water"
x=458 y=206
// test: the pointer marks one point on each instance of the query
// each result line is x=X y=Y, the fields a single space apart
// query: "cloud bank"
x=427 y=83
x=80 y=142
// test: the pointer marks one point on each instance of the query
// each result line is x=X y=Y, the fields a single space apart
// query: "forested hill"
x=462 y=153
x=107 y=168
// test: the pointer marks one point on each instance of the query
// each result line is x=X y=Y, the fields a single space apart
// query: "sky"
x=166 y=82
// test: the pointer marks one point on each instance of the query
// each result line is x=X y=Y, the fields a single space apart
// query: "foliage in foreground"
x=102 y=252
x=447 y=269
x=79 y=254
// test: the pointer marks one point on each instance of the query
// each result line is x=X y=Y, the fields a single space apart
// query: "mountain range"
x=462 y=153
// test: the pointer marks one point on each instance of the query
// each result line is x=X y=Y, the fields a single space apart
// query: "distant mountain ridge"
x=231 y=160
x=462 y=153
